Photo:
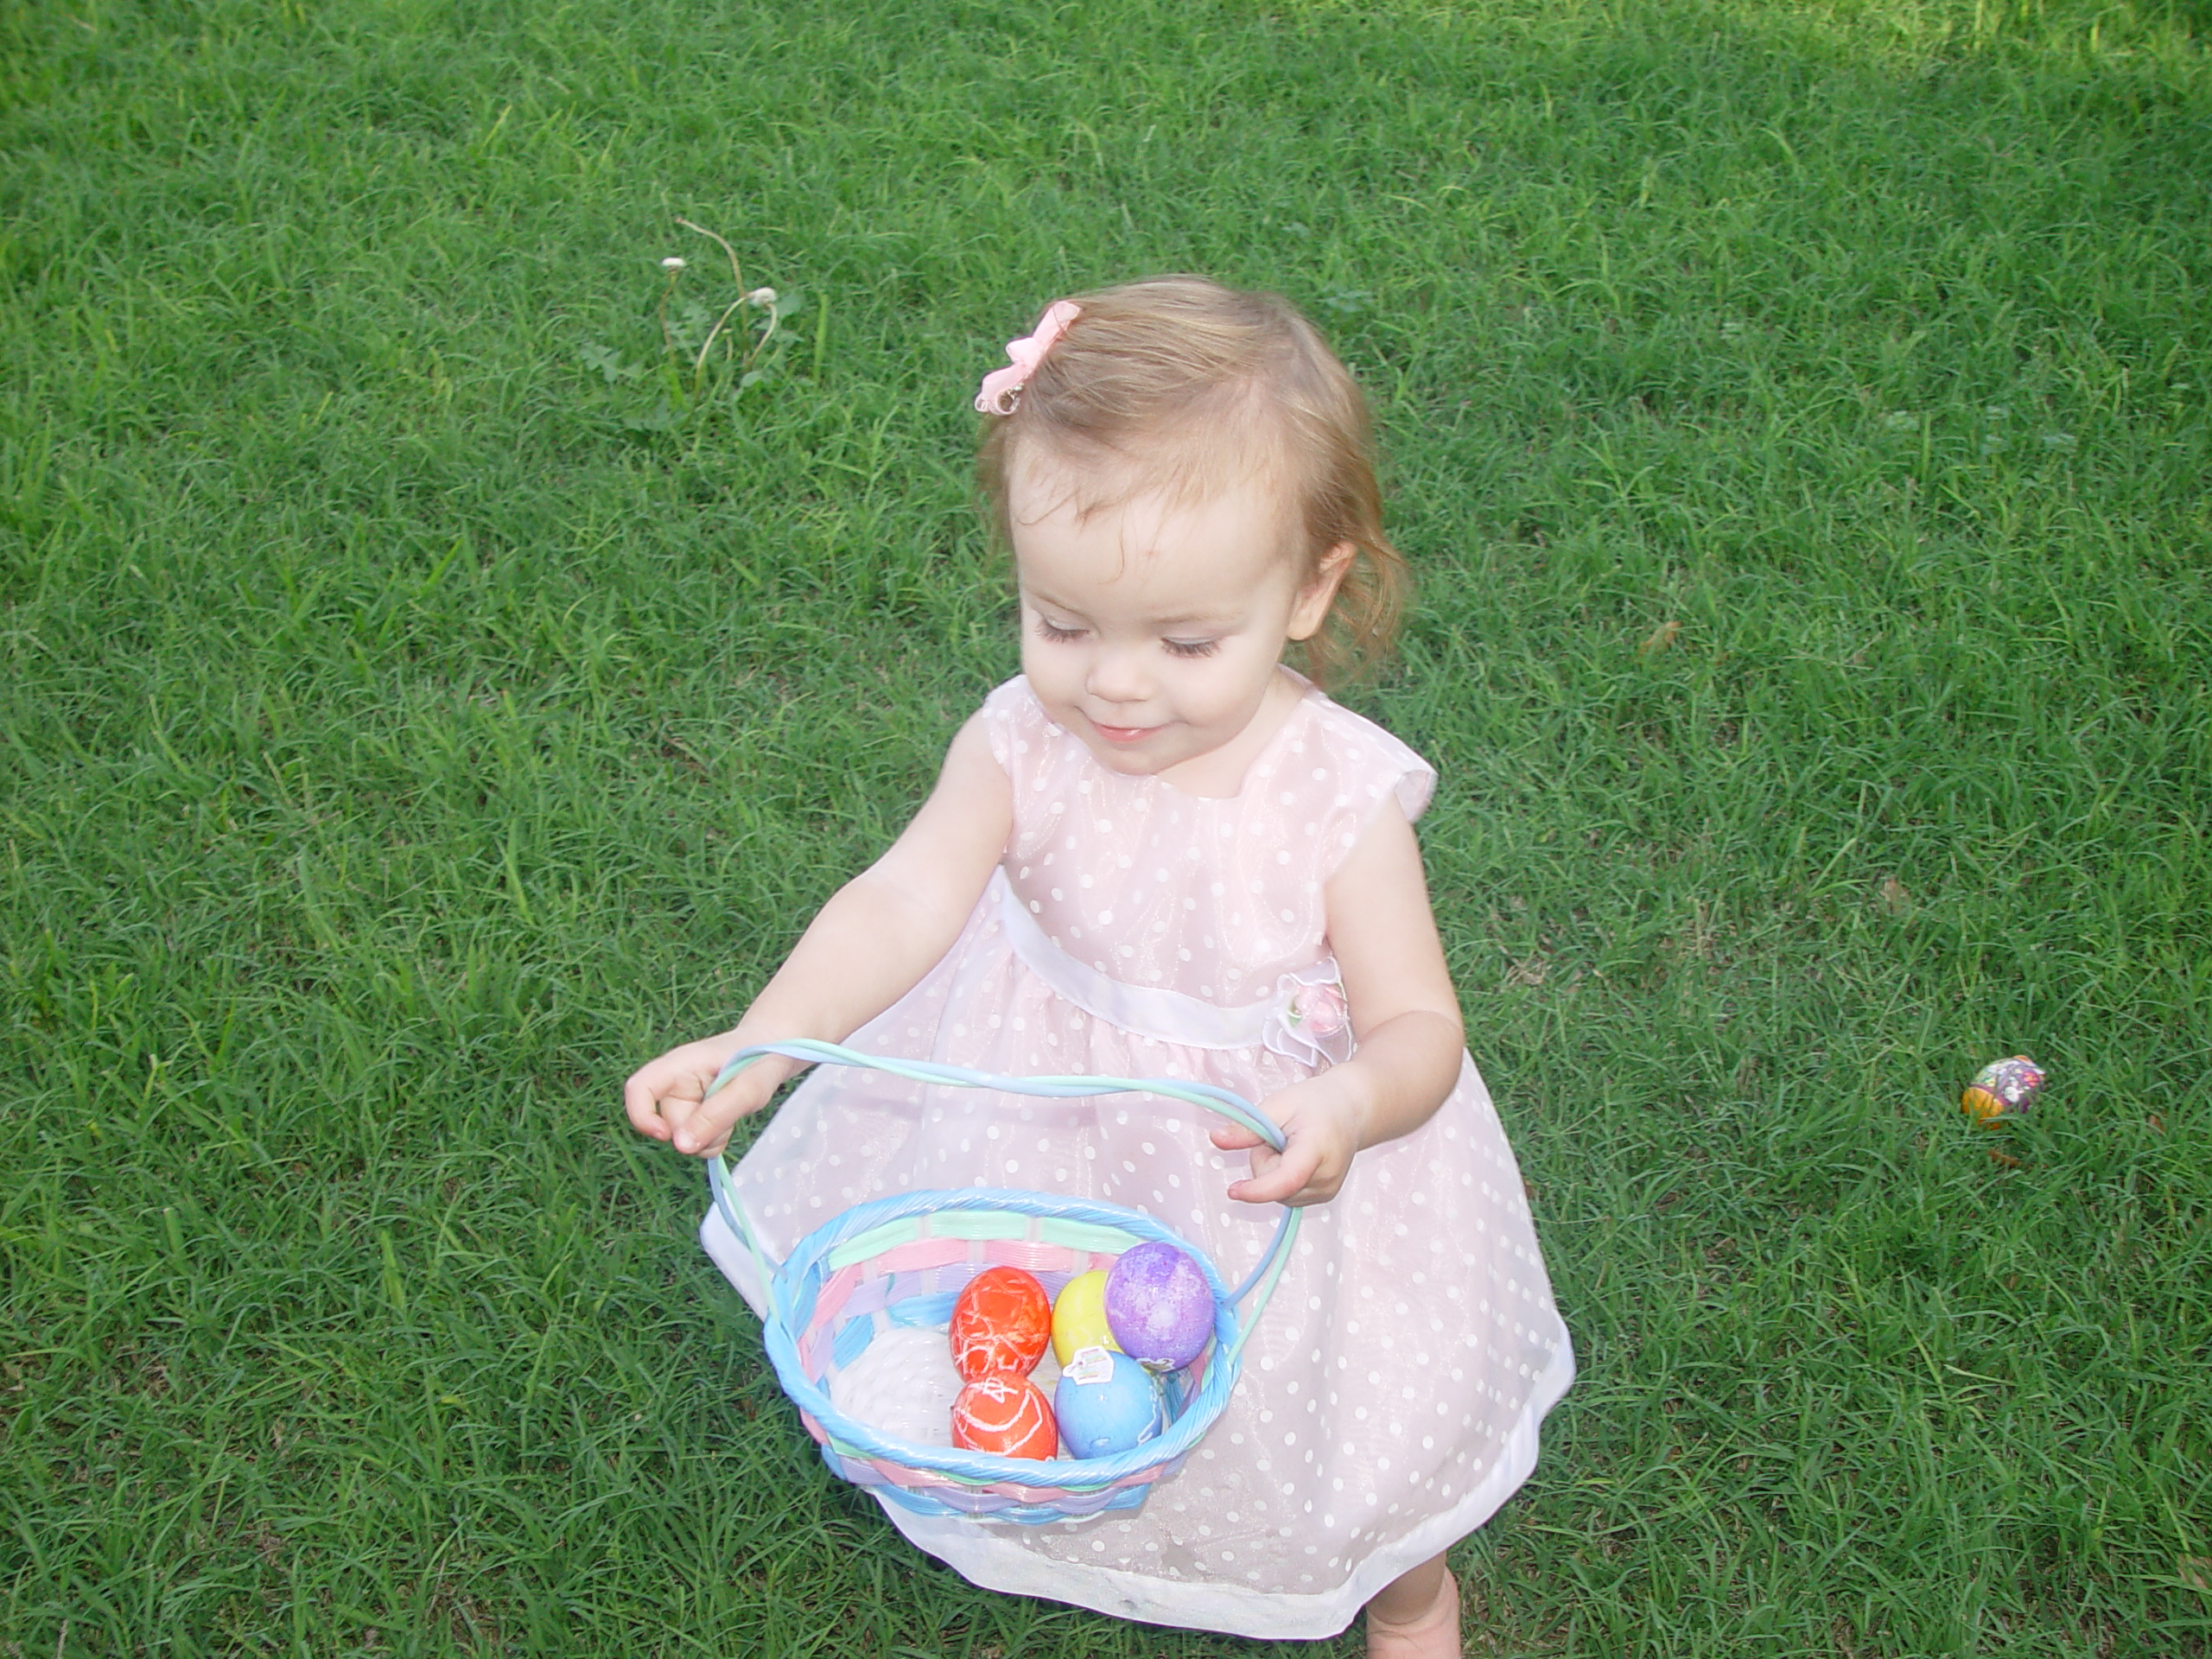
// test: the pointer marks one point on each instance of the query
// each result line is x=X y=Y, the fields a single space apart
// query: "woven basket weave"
x=902 y=1261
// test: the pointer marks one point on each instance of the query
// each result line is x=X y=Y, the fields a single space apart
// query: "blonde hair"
x=1178 y=386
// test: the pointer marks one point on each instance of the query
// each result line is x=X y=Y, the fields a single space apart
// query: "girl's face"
x=1153 y=632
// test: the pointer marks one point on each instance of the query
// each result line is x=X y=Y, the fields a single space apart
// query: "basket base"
x=1126 y=1499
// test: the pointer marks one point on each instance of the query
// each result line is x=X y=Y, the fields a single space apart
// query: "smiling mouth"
x=1123 y=734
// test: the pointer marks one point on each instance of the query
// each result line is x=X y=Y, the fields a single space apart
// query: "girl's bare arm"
x=866 y=949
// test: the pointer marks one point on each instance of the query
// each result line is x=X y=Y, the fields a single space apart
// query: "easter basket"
x=903 y=1261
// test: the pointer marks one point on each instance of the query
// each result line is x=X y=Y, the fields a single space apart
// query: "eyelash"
x=1183 y=648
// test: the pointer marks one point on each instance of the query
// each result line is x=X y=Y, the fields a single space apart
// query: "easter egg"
x=1079 y=1316
x=1001 y=1322
x=2002 y=1089
x=1159 y=1305
x=1005 y=1414
x=1106 y=1403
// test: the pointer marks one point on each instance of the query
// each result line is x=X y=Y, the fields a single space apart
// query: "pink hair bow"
x=1002 y=388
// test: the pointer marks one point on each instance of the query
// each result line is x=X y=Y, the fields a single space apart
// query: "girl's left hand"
x=1322 y=1124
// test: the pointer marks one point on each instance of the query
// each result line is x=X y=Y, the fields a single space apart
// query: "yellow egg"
x=1079 y=1316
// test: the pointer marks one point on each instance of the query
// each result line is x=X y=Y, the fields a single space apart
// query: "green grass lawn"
x=423 y=700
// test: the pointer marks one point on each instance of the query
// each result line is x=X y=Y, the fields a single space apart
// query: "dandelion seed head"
x=761 y=296
x=674 y=261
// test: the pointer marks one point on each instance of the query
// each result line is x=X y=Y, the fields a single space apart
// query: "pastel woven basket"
x=903 y=1261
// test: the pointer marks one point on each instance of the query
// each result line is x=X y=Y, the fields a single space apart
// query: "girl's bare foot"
x=1428 y=1629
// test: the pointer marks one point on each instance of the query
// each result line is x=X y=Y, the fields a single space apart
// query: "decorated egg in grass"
x=1006 y=1414
x=1106 y=1403
x=2002 y=1089
x=1079 y=1316
x=1159 y=1305
x=1001 y=1322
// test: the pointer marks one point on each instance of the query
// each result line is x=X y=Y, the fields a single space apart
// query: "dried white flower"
x=672 y=262
x=761 y=296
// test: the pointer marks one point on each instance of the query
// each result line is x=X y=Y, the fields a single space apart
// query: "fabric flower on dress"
x=1311 y=1023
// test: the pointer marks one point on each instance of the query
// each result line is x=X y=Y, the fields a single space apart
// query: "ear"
x=1314 y=600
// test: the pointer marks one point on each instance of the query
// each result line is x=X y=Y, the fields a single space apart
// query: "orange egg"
x=1006 y=1414
x=1001 y=1322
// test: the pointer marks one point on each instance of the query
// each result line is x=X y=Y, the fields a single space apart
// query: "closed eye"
x=1046 y=629
x=1192 y=647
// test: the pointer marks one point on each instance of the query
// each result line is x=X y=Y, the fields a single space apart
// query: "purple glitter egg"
x=1158 y=1306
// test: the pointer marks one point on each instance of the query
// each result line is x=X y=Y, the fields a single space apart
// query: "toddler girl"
x=1160 y=852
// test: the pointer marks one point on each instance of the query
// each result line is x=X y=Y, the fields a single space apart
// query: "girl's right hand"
x=667 y=1098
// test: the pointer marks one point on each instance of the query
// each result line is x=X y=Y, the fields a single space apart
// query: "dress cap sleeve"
x=1414 y=787
x=1011 y=713
x=1372 y=771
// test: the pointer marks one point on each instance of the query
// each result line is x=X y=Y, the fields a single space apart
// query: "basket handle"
x=1223 y=1102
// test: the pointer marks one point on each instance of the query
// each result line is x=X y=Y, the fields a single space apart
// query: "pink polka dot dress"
x=1393 y=1388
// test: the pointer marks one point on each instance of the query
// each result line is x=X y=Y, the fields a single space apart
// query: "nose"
x=1118 y=674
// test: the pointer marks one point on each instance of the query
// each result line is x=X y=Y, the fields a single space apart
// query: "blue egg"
x=1106 y=1403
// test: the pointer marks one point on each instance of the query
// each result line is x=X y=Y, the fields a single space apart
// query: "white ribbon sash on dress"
x=1303 y=1021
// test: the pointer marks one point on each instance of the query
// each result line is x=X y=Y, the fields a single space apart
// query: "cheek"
x=1231 y=684
x=1049 y=667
